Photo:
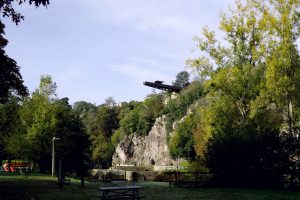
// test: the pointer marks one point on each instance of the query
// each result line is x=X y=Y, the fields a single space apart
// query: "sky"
x=94 y=49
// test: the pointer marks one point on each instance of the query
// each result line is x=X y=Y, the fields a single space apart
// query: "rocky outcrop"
x=147 y=150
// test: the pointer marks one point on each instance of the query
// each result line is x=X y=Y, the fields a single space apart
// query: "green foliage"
x=41 y=118
x=141 y=118
x=250 y=112
x=182 y=79
x=117 y=136
x=182 y=142
x=177 y=108
x=102 y=124
x=105 y=124
x=87 y=113
x=81 y=107
x=107 y=120
x=9 y=128
x=245 y=156
x=130 y=121
x=7 y=8
x=11 y=82
x=102 y=149
x=72 y=147
x=126 y=107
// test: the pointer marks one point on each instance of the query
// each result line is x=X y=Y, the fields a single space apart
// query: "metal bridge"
x=159 y=85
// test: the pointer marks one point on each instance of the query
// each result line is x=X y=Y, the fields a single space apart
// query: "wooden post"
x=170 y=179
x=197 y=175
x=60 y=175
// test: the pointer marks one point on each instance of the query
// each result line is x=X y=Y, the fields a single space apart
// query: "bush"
x=177 y=108
x=182 y=143
x=245 y=157
x=142 y=117
x=117 y=136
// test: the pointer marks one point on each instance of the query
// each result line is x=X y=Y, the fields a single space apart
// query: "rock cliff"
x=145 y=150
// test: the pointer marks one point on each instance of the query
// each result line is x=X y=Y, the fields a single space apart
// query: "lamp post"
x=53 y=155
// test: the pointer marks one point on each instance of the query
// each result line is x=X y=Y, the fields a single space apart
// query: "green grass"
x=43 y=187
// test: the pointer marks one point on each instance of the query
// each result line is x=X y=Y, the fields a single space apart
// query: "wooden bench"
x=121 y=192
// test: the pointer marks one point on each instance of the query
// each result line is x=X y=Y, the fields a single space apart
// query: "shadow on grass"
x=42 y=187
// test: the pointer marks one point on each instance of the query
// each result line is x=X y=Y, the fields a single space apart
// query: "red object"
x=16 y=166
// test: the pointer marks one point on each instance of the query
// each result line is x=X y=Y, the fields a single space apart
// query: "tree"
x=141 y=118
x=234 y=73
x=178 y=107
x=110 y=101
x=251 y=86
x=283 y=71
x=80 y=108
x=44 y=116
x=10 y=128
x=182 y=79
x=11 y=82
x=72 y=147
x=283 y=74
x=244 y=157
x=7 y=8
x=39 y=119
x=106 y=123
x=182 y=143
x=87 y=112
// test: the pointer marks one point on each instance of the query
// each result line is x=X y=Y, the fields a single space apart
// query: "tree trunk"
x=290 y=116
x=82 y=180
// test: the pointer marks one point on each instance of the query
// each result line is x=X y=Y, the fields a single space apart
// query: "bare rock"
x=145 y=150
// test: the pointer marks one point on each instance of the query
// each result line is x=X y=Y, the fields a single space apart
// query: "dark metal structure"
x=159 y=85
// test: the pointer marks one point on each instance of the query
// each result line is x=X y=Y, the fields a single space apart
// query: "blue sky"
x=94 y=49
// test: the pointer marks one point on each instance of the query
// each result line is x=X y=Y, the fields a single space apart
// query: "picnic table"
x=121 y=192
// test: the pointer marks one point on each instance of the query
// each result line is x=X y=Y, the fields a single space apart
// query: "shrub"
x=245 y=157
x=182 y=143
x=141 y=118
x=177 y=108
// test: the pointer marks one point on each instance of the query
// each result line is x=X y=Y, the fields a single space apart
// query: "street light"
x=53 y=155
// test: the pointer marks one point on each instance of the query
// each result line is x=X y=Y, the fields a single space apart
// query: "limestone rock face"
x=145 y=150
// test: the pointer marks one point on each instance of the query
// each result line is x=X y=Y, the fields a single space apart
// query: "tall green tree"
x=10 y=78
x=10 y=126
x=283 y=65
x=43 y=117
x=73 y=146
x=87 y=113
x=182 y=142
x=251 y=86
x=141 y=118
x=11 y=82
x=38 y=116
x=106 y=123
x=233 y=73
x=182 y=79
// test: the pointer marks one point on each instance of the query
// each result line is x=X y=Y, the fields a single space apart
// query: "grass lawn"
x=43 y=187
